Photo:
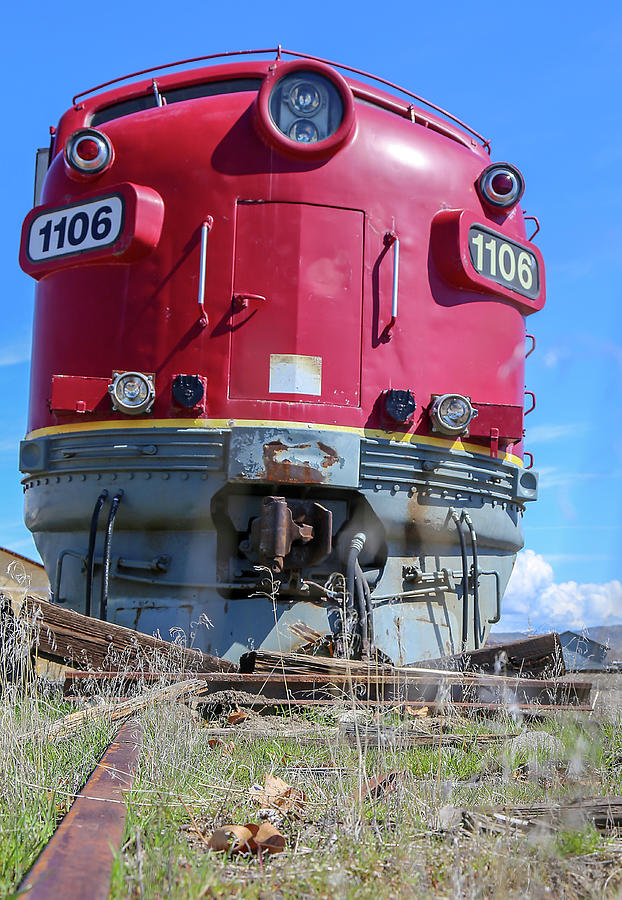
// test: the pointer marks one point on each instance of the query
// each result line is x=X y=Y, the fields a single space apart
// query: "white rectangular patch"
x=291 y=374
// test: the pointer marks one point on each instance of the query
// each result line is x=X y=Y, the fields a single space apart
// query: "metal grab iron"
x=206 y=227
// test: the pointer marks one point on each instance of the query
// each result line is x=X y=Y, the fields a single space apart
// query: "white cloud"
x=551 y=477
x=533 y=597
x=546 y=434
x=581 y=605
x=531 y=575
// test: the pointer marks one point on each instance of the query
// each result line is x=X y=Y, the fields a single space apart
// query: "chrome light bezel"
x=91 y=166
x=119 y=402
x=279 y=139
x=438 y=422
x=488 y=193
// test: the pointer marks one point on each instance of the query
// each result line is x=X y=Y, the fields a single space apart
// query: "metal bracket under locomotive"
x=277 y=390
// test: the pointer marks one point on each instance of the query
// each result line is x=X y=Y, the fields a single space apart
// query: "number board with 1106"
x=504 y=262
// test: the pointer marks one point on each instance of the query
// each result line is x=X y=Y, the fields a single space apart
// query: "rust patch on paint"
x=282 y=467
x=330 y=455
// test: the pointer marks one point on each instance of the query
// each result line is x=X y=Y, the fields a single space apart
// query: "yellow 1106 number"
x=500 y=259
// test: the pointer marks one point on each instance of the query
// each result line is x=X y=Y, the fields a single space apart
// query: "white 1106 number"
x=75 y=229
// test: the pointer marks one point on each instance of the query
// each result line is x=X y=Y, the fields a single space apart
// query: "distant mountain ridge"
x=609 y=635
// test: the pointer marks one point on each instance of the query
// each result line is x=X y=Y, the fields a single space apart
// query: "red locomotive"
x=278 y=365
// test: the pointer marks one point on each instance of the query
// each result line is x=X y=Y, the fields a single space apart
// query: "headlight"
x=305 y=110
x=304 y=132
x=306 y=94
x=501 y=185
x=304 y=98
x=132 y=393
x=451 y=414
x=88 y=151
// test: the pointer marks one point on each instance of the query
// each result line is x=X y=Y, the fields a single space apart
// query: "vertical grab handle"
x=531 y=338
x=206 y=227
x=391 y=238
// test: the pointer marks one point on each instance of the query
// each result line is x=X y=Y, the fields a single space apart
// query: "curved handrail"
x=279 y=51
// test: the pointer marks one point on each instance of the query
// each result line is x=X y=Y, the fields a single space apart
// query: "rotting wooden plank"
x=77 y=862
x=120 y=709
x=69 y=637
x=531 y=655
x=604 y=812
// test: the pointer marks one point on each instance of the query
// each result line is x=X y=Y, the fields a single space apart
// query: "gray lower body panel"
x=189 y=496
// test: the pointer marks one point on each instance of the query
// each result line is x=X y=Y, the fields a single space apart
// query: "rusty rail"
x=407 y=686
x=77 y=861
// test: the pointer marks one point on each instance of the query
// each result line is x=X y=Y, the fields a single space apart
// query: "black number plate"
x=503 y=261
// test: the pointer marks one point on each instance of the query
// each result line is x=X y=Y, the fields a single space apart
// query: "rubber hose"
x=465 y=580
x=103 y=605
x=90 y=557
x=368 y=606
x=477 y=633
x=356 y=545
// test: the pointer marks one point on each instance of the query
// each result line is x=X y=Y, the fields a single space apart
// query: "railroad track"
x=77 y=861
x=91 y=832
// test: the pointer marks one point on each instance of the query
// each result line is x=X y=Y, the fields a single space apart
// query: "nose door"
x=297 y=304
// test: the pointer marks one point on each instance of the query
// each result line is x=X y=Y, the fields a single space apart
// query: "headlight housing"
x=501 y=185
x=452 y=414
x=132 y=393
x=305 y=109
x=88 y=151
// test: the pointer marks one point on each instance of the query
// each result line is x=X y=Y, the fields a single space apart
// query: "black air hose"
x=465 y=579
x=90 y=557
x=361 y=610
x=352 y=594
x=103 y=605
x=477 y=633
x=368 y=607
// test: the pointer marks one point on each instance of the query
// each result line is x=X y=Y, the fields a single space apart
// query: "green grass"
x=389 y=847
x=341 y=847
x=38 y=777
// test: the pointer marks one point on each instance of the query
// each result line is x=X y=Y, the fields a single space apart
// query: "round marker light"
x=451 y=414
x=501 y=185
x=88 y=151
x=132 y=393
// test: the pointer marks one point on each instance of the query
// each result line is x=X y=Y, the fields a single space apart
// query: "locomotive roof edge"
x=445 y=122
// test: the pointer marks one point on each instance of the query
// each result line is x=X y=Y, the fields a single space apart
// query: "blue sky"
x=542 y=80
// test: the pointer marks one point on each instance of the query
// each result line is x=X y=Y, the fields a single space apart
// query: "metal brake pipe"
x=465 y=578
x=103 y=604
x=90 y=557
x=356 y=545
x=59 y=571
x=497 y=615
x=477 y=633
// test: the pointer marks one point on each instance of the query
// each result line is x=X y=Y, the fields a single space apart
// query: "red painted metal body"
x=303 y=241
x=304 y=295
